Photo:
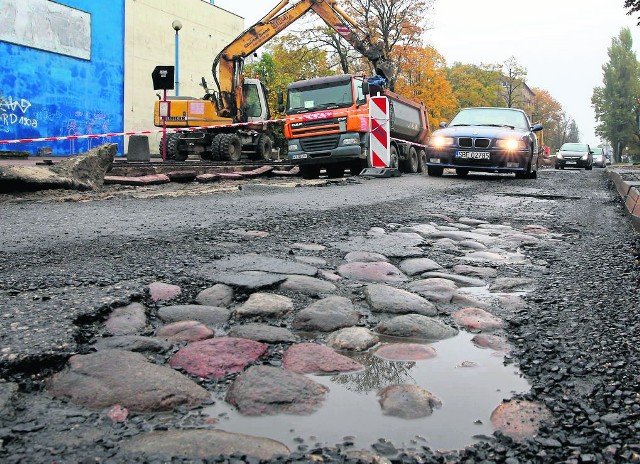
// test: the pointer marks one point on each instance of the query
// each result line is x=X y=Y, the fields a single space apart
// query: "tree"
x=512 y=84
x=633 y=6
x=616 y=102
x=392 y=23
x=474 y=85
x=573 y=134
x=425 y=79
x=548 y=111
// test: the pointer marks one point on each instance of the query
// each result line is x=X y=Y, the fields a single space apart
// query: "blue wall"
x=45 y=94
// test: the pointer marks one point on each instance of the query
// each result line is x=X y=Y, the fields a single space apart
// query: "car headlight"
x=293 y=147
x=584 y=157
x=510 y=144
x=559 y=156
x=351 y=141
x=441 y=141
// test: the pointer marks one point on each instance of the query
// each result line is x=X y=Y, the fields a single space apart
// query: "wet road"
x=585 y=272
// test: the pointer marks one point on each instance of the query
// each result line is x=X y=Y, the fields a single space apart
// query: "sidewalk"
x=627 y=182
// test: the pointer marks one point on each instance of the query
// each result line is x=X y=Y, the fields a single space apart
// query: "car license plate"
x=572 y=162
x=300 y=156
x=473 y=155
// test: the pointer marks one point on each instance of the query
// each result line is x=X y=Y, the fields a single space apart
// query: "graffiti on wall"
x=15 y=111
x=47 y=25
x=50 y=92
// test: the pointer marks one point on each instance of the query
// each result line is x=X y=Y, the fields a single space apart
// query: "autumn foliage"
x=422 y=73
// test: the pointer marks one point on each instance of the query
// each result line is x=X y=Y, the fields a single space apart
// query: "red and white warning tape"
x=119 y=134
x=156 y=131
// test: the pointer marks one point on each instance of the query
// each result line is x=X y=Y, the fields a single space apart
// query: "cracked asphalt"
x=68 y=258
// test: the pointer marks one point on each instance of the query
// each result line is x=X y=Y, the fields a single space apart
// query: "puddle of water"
x=351 y=409
x=483 y=293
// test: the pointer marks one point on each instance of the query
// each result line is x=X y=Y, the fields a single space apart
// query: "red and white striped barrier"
x=119 y=134
x=380 y=138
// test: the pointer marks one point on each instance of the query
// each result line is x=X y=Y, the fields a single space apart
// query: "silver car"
x=598 y=157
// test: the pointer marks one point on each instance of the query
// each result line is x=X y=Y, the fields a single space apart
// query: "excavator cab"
x=256 y=106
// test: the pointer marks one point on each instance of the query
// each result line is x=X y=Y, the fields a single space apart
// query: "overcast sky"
x=562 y=43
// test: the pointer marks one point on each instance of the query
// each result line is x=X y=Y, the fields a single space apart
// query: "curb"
x=629 y=192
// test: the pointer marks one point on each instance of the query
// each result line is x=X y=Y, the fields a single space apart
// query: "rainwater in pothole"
x=351 y=408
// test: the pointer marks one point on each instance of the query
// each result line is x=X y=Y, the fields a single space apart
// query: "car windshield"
x=597 y=151
x=503 y=117
x=574 y=147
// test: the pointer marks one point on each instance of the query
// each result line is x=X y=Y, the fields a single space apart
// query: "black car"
x=575 y=155
x=485 y=139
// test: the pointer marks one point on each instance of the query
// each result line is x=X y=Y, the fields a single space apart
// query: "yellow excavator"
x=243 y=101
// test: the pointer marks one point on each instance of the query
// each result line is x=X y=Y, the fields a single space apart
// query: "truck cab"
x=327 y=124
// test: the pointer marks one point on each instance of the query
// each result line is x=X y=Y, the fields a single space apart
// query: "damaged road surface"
x=409 y=319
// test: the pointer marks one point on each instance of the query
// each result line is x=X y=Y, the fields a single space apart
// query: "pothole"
x=539 y=196
x=470 y=381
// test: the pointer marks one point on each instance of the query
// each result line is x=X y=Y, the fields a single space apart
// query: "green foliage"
x=616 y=102
x=475 y=85
x=264 y=69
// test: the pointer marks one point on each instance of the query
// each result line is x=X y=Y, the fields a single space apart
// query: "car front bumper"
x=572 y=162
x=478 y=160
x=321 y=150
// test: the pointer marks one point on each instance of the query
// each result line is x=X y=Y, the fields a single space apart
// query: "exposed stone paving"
x=265 y=321
x=410 y=300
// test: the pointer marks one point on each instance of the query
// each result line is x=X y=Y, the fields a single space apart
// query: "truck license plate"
x=473 y=155
x=300 y=156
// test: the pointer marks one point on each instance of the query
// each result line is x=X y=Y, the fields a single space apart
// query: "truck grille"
x=468 y=142
x=321 y=122
x=321 y=125
x=326 y=142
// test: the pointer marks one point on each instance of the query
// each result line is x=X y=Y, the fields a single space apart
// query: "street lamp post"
x=177 y=25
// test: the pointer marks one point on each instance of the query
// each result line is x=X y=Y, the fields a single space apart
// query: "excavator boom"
x=230 y=60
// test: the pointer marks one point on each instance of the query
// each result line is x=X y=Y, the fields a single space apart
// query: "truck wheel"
x=231 y=147
x=310 y=172
x=335 y=171
x=215 y=147
x=435 y=171
x=263 y=148
x=422 y=161
x=413 y=161
x=393 y=161
x=172 y=146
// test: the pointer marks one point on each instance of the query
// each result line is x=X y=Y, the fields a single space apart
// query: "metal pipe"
x=177 y=66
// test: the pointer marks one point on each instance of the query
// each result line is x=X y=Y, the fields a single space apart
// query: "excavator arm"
x=230 y=60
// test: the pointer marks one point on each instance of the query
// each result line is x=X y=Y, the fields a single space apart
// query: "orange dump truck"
x=327 y=126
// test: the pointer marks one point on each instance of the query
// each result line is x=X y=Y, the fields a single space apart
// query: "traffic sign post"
x=162 y=77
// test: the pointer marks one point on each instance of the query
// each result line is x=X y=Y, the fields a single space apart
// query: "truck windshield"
x=316 y=97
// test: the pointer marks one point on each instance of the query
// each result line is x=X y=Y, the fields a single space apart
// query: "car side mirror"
x=536 y=128
x=280 y=102
x=443 y=124
x=591 y=152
